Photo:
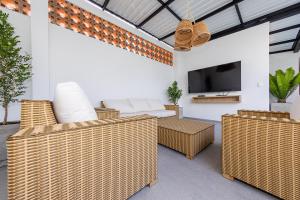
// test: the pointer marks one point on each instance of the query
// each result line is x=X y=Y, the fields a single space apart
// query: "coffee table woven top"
x=187 y=126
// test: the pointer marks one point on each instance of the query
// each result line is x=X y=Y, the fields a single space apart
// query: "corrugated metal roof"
x=162 y=24
x=101 y=2
x=290 y=21
x=282 y=36
x=226 y=19
x=170 y=40
x=281 y=47
x=199 y=8
x=134 y=11
x=165 y=21
x=251 y=9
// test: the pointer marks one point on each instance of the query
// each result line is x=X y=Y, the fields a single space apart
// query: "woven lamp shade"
x=184 y=32
x=182 y=47
x=201 y=34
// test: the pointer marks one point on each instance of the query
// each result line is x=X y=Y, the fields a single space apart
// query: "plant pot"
x=281 y=107
x=5 y=132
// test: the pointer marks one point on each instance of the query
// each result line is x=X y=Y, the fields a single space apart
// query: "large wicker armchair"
x=101 y=159
x=263 y=149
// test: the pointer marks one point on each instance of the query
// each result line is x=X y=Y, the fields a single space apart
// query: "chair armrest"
x=62 y=157
x=259 y=113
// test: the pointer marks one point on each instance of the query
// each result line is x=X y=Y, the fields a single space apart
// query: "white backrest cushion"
x=156 y=104
x=71 y=104
x=140 y=105
x=122 y=105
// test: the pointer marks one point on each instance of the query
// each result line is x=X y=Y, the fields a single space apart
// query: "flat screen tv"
x=221 y=78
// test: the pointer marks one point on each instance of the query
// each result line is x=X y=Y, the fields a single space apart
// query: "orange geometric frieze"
x=70 y=16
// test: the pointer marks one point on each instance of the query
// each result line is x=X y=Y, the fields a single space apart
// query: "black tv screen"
x=221 y=78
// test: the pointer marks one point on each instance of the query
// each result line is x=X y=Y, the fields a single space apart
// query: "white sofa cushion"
x=156 y=113
x=122 y=105
x=162 y=113
x=156 y=104
x=71 y=104
x=140 y=105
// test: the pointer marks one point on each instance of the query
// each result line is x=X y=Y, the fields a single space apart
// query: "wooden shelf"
x=217 y=99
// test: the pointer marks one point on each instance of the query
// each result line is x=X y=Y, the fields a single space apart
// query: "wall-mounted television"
x=221 y=78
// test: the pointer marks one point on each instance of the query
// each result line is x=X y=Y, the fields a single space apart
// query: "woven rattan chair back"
x=35 y=113
x=268 y=114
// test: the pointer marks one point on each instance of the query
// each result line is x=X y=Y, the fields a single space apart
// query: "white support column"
x=39 y=41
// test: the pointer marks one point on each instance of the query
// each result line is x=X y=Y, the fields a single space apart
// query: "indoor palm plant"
x=283 y=84
x=174 y=93
x=15 y=68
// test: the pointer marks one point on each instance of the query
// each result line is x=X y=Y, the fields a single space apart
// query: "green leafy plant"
x=174 y=93
x=15 y=68
x=283 y=84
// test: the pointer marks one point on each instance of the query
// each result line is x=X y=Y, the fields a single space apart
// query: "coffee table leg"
x=189 y=157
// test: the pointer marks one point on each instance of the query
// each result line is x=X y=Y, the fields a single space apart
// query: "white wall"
x=102 y=70
x=284 y=61
x=22 y=28
x=251 y=46
x=105 y=71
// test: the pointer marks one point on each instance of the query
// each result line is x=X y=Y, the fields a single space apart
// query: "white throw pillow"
x=71 y=104
x=140 y=105
x=122 y=105
x=155 y=104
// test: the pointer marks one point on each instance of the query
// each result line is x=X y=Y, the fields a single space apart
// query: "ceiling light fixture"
x=189 y=33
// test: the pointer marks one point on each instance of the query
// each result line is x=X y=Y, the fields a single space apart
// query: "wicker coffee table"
x=184 y=135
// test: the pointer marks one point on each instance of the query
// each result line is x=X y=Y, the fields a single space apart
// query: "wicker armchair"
x=101 y=159
x=263 y=151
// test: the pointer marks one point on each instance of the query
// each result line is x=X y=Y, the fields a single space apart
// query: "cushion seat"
x=156 y=113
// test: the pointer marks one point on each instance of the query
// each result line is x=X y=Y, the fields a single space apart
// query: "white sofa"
x=133 y=107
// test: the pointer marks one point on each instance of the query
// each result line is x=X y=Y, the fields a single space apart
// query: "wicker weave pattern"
x=260 y=113
x=107 y=113
x=263 y=152
x=105 y=159
x=186 y=136
x=35 y=113
x=21 y=6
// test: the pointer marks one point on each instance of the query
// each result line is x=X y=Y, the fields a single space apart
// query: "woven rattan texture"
x=21 y=6
x=259 y=113
x=102 y=159
x=186 y=136
x=263 y=152
x=106 y=113
x=70 y=16
x=35 y=113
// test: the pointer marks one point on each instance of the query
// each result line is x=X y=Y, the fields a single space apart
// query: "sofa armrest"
x=173 y=107
x=259 y=113
x=107 y=113
x=65 y=158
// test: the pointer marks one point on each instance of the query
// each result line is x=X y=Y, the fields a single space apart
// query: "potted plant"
x=282 y=85
x=174 y=93
x=15 y=68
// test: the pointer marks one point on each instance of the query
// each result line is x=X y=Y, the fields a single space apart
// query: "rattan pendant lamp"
x=188 y=33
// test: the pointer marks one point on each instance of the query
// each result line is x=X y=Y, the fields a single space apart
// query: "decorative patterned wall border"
x=21 y=6
x=70 y=16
